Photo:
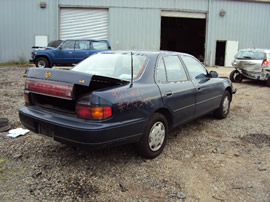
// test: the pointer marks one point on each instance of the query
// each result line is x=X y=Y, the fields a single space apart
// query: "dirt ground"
x=205 y=160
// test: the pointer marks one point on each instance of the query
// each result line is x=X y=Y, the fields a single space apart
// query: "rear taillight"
x=55 y=89
x=93 y=112
x=266 y=63
x=26 y=98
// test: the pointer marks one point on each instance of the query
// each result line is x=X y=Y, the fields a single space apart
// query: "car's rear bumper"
x=261 y=75
x=71 y=130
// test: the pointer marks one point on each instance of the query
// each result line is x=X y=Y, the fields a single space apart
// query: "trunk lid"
x=59 y=90
x=252 y=66
x=65 y=76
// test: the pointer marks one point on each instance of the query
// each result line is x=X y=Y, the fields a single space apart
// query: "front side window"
x=99 y=45
x=114 y=65
x=68 y=45
x=82 y=45
x=195 y=68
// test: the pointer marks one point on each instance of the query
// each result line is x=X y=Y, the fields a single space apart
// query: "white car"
x=251 y=64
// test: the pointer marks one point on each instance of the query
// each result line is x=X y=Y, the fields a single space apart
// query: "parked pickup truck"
x=71 y=51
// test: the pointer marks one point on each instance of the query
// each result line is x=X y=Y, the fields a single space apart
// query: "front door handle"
x=168 y=93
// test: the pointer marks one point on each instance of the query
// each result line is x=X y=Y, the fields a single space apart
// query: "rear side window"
x=175 y=70
x=161 y=72
x=170 y=69
x=99 y=45
x=253 y=55
x=82 y=45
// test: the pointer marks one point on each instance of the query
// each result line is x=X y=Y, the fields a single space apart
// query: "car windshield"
x=254 y=55
x=116 y=65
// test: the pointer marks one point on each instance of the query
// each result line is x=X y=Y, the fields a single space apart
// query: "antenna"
x=131 y=81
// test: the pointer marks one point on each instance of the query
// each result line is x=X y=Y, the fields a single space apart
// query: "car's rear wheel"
x=42 y=62
x=236 y=76
x=224 y=107
x=154 y=138
x=268 y=81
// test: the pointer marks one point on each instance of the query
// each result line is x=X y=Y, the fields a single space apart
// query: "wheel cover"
x=226 y=105
x=156 y=136
x=41 y=63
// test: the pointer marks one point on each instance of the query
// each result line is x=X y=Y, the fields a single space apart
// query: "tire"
x=236 y=76
x=154 y=138
x=268 y=81
x=42 y=62
x=224 y=107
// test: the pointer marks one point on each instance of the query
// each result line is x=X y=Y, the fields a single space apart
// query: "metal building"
x=211 y=30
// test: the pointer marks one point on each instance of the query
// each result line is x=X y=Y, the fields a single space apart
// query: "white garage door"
x=84 y=23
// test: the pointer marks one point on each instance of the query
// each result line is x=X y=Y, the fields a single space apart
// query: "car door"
x=64 y=54
x=82 y=50
x=178 y=92
x=209 y=91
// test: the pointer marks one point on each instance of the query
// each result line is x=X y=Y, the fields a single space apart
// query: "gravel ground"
x=205 y=160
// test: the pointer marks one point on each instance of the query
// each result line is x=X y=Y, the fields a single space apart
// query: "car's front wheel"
x=42 y=62
x=236 y=76
x=154 y=138
x=224 y=107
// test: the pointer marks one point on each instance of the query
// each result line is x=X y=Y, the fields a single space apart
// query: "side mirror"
x=60 y=47
x=213 y=74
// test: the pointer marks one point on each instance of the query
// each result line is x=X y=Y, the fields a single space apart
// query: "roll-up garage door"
x=84 y=23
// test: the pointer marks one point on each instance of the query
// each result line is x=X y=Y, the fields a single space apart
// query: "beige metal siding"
x=135 y=28
x=179 y=14
x=245 y=22
x=20 y=22
x=84 y=23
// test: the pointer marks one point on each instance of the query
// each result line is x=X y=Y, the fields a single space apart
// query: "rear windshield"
x=254 y=55
x=113 y=65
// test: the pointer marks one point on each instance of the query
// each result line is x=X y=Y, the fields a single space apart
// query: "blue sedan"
x=120 y=97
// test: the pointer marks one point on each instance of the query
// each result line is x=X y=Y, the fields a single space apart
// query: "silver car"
x=251 y=64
